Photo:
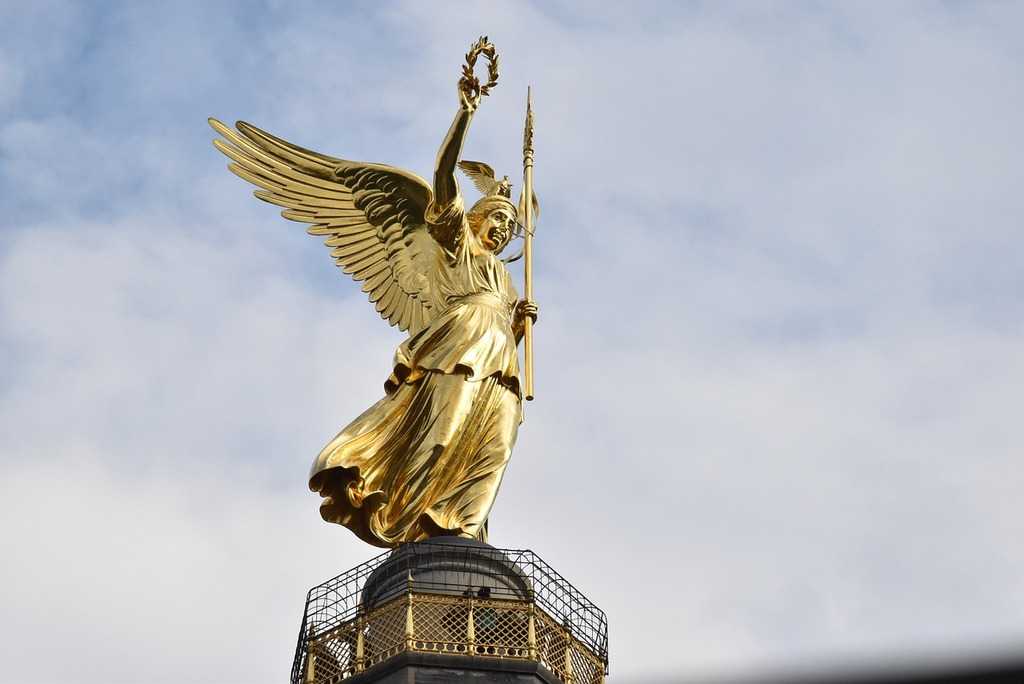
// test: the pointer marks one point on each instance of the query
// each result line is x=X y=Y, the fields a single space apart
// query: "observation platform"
x=451 y=610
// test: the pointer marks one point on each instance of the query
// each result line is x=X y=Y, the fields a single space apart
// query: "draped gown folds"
x=428 y=458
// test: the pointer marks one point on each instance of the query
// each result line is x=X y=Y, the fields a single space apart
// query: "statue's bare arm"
x=446 y=189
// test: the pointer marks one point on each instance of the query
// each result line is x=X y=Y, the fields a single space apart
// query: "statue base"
x=449 y=610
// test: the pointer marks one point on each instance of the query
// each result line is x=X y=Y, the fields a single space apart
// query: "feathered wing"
x=481 y=174
x=371 y=215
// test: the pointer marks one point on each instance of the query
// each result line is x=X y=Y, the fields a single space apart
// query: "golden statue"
x=428 y=458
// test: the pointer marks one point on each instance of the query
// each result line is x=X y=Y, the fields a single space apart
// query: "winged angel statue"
x=427 y=459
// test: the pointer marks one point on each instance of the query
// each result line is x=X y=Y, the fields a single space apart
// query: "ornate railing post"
x=531 y=632
x=471 y=628
x=410 y=627
x=360 y=643
x=569 y=678
x=310 y=675
x=310 y=668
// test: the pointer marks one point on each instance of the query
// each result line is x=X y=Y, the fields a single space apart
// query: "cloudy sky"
x=779 y=362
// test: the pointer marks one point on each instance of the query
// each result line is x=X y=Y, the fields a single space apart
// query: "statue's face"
x=495 y=231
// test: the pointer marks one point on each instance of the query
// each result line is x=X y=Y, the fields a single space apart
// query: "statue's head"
x=493 y=221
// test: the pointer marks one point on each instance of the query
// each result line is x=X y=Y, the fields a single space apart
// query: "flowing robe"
x=428 y=458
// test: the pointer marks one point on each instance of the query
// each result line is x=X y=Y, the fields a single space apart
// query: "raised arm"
x=446 y=189
x=445 y=215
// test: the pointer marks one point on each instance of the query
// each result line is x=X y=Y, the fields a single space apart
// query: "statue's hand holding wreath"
x=470 y=90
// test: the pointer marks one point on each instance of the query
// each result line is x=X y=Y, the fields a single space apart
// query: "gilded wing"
x=371 y=214
x=481 y=174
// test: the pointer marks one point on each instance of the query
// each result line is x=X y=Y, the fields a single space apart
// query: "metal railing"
x=550 y=622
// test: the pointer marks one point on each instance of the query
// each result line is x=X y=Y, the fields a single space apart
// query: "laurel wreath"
x=469 y=84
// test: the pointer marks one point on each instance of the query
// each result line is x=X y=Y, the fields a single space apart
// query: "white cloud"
x=778 y=356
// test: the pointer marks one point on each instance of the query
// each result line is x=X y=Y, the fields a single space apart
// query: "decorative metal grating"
x=553 y=623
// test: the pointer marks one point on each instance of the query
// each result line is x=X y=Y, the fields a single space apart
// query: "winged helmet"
x=486 y=181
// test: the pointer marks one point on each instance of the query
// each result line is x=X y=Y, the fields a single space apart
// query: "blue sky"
x=779 y=355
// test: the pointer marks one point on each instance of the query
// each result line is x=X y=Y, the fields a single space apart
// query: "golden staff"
x=528 y=242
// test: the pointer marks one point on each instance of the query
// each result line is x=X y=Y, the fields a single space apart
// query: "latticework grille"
x=454 y=625
x=555 y=626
